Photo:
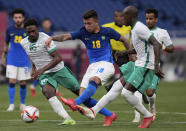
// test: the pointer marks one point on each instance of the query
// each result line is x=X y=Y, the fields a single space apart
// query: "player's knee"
x=95 y=79
x=150 y=93
x=12 y=81
x=22 y=82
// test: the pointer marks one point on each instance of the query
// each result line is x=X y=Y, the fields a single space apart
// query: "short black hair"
x=31 y=21
x=18 y=11
x=152 y=10
x=90 y=14
x=46 y=19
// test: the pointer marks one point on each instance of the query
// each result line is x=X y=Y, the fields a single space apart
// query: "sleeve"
x=7 y=36
x=166 y=39
x=113 y=34
x=52 y=47
x=76 y=34
x=144 y=33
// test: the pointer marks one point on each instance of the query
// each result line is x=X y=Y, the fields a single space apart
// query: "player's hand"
x=3 y=62
x=158 y=71
x=37 y=73
x=48 y=41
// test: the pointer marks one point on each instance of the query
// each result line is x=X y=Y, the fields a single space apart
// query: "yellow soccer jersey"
x=124 y=31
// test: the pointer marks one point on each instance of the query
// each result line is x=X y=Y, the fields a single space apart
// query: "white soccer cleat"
x=11 y=108
x=136 y=120
x=22 y=106
x=86 y=112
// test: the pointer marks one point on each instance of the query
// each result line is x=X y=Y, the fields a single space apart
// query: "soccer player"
x=123 y=30
x=48 y=67
x=100 y=69
x=136 y=76
x=15 y=59
x=46 y=28
x=166 y=44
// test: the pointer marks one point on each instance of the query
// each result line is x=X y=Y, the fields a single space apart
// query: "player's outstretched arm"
x=125 y=42
x=169 y=49
x=58 y=38
x=156 y=46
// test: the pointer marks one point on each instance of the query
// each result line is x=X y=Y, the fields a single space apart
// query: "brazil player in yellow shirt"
x=123 y=30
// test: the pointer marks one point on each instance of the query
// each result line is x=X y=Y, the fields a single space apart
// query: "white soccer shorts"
x=102 y=69
x=18 y=73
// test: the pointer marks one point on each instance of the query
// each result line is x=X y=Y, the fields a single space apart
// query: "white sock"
x=58 y=107
x=139 y=96
x=109 y=97
x=134 y=102
x=152 y=100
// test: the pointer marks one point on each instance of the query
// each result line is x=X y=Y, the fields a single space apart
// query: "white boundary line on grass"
x=176 y=113
x=95 y=121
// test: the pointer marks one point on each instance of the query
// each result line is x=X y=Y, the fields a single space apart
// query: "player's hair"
x=152 y=10
x=18 y=11
x=90 y=14
x=31 y=21
x=120 y=11
x=46 y=19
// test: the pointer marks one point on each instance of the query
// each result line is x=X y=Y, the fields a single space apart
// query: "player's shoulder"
x=10 y=28
x=24 y=41
x=111 y=24
x=140 y=27
x=43 y=35
x=162 y=30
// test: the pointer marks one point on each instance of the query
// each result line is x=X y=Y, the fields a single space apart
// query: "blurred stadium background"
x=66 y=16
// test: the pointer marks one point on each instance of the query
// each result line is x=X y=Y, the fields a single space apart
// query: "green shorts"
x=63 y=77
x=139 y=77
x=155 y=83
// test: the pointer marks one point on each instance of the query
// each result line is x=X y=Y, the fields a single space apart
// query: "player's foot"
x=146 y=122
x=153 y=111
x=58 y=94
x=69 y=102
x=68 y=122
x=136 y=120
x=110 y=119
x=22 y=106
x=11 y=107
x=145 y=100
x=86 y=111
x=32 y=90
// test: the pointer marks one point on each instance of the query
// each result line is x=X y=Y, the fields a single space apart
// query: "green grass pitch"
x=171 y=112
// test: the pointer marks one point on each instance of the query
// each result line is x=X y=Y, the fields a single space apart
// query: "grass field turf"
x=171 y=116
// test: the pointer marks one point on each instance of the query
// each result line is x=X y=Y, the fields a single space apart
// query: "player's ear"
x=156 y=20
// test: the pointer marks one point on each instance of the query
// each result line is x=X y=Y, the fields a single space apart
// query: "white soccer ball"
x=30 y=114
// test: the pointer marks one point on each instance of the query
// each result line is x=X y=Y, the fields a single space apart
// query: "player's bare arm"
x=56 y=60
x=169 y=49
x=156 y=46
x=58 y=38
x=125 y=42
x=4 y=54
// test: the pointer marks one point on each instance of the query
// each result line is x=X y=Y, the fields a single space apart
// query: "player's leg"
x=151 y=94
x=48 y=86
x=139 y=80
x=136 y=113
x=23 y=74
x=33 y=87
x=11 y=73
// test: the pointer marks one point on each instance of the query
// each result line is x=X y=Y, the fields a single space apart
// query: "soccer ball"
x=30 y=114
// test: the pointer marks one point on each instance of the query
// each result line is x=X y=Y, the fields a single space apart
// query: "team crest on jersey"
x=86 y=38
x=11 y=34
x=24 y=34
x=32 y=47
x=103 y=37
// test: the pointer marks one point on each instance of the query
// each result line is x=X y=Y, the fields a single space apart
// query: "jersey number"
x=17 y=39
x=96 y=44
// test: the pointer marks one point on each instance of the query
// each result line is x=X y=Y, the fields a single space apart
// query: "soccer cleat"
x=146 y=122
x=32 y=91
x=136 y=120
x=22 y=106
x=110 y=119
x=68 y=122
x=69 y=102
x=11 y=107
x=86 y=112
